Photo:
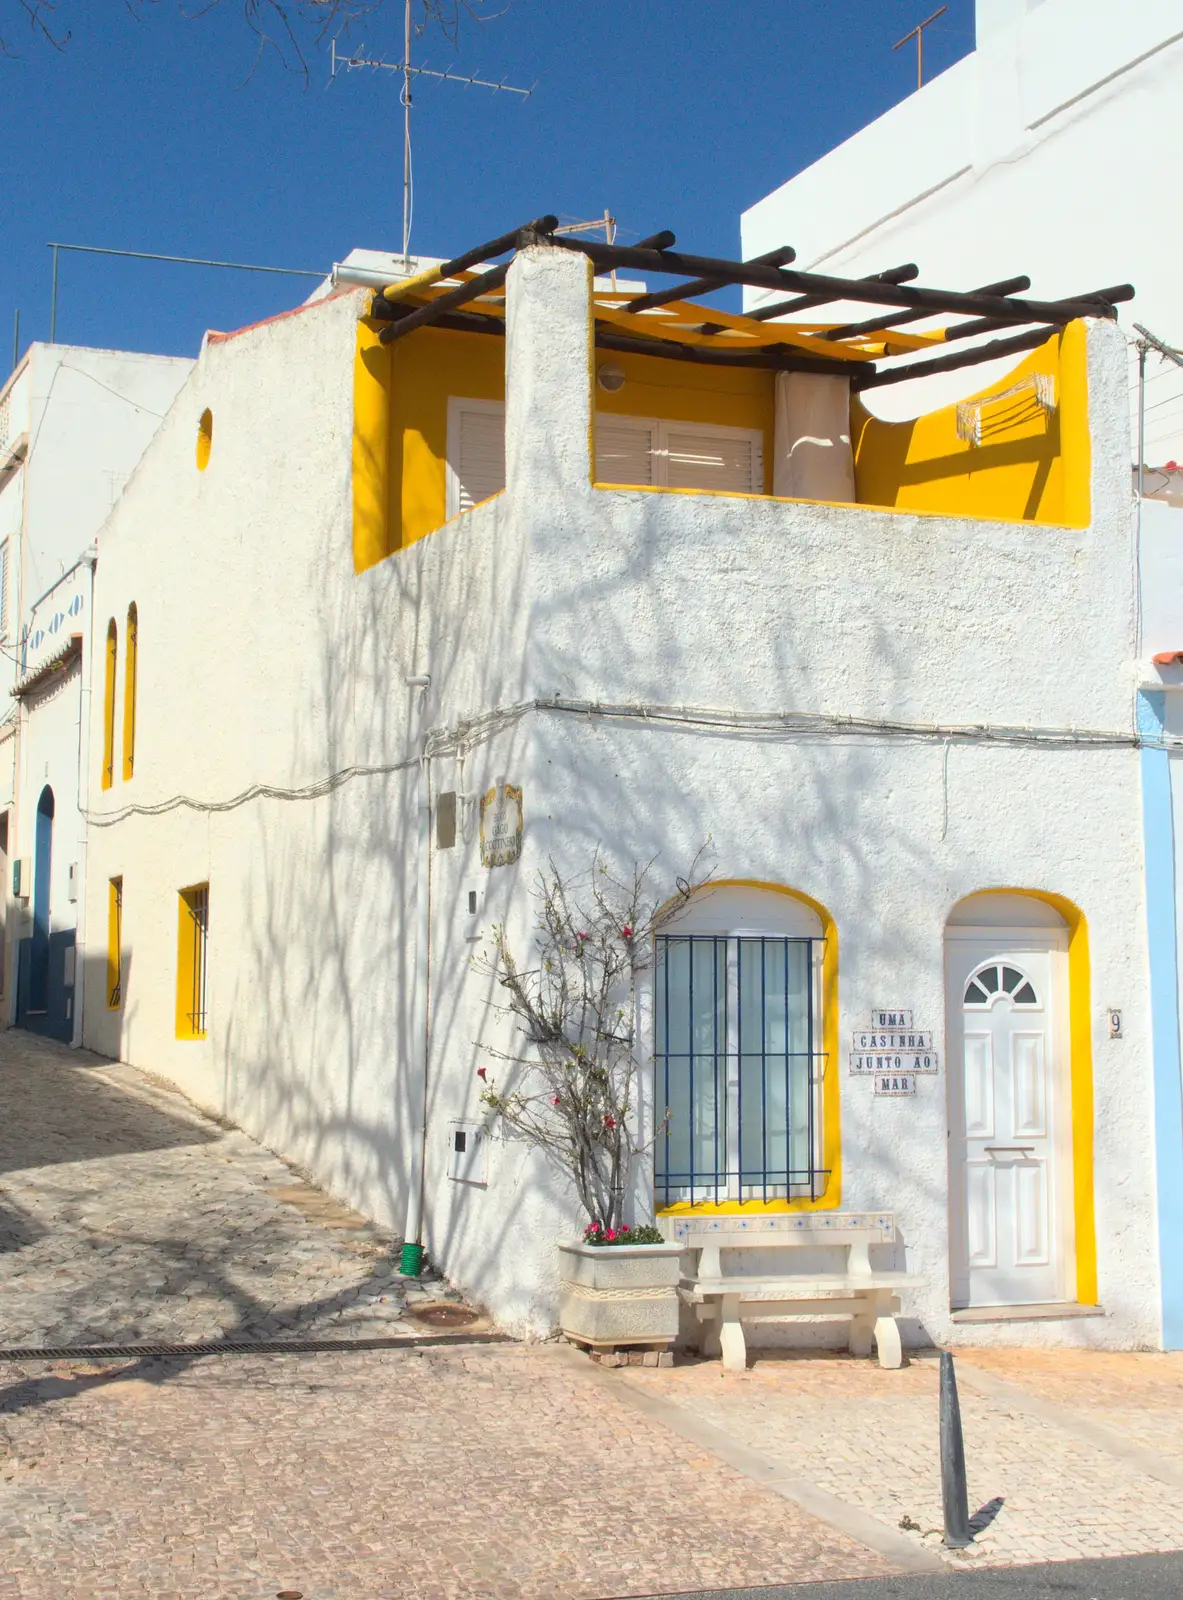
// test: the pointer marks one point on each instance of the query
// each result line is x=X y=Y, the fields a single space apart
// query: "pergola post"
x=548 y=377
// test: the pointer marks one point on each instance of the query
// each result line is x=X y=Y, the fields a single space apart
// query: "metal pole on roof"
x=53 y=302
x=406 y=99
x=917 y=33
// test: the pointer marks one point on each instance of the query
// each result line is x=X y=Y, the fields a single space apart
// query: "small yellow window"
x=115 y=944
x=109 y=705
x=129 y=691
x=205 y=439
x=192 y=960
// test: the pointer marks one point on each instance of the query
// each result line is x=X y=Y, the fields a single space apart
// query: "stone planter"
x=625 y=1294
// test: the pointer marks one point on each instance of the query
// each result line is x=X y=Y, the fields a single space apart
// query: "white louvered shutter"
x=700 y=459
x=478 y=457
x=624 y=450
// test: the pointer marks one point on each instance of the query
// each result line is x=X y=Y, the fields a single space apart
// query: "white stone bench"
x=867 y=1295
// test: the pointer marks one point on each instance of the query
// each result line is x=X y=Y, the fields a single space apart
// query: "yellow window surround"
x=112 y=663
x=192 y=960
x=830 y=1198
x=129 y=691
x=115 y=944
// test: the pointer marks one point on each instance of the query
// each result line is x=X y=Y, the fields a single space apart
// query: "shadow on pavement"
x=68 y=1113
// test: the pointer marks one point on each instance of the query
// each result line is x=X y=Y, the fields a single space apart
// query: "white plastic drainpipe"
x=412 y=1255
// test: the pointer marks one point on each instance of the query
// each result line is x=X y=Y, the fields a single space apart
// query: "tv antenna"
x=409 y=71
x=917 y=33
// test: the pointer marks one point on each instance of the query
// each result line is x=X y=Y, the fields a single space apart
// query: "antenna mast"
x=917 y=33
x=408 y=71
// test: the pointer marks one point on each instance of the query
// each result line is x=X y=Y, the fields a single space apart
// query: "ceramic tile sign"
x=892 y=1051
x=895 y=1083
x=501 y=825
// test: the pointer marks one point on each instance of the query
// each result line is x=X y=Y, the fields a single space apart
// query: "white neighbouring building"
x=1055 y=142
x=404 y=576
x=73 y=423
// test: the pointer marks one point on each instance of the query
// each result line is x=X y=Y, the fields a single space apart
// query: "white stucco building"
x=1051 y=145
x=905 y=729
x=73 y=424
x=1050 y=148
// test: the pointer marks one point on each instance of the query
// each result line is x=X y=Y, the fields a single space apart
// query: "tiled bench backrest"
x=776 y=1230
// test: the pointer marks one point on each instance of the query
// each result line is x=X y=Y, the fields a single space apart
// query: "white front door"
x=1006 y=1105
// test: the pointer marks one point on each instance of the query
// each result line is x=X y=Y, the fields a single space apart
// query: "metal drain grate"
x=245 y=1347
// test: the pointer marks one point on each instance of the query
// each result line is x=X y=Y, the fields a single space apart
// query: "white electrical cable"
x=466 y=736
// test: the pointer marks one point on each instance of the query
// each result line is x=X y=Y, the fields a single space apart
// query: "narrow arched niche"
x=205 y=438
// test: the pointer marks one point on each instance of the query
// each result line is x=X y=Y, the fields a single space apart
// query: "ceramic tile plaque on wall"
x=892 y=1051
x=501 y=825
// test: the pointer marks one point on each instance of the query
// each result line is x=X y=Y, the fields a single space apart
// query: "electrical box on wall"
x=22 y=878
x=72 y=890
x=467 y=1142
x=472 y=911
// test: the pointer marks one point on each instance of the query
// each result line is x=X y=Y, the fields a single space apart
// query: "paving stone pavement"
x=461 y=1473
x=1043 y=1490
x=126 y=1215
x=494 y=1472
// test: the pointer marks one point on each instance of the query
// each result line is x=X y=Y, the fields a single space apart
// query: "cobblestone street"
x=125 y=1215
x=475 y=1472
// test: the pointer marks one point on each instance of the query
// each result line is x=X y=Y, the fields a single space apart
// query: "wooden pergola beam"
x=482 y=252
x=966 y=330
x=807 y=302
x=422 y=315
x=906 y=296
x=876 y=377
x=687 y=291
x=856 y=330
x=770 y=358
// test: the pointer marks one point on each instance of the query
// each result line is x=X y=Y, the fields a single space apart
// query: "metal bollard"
x=954 y=1493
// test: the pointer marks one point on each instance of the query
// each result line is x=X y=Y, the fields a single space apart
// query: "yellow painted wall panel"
x=400 y=434
x=1029 y=467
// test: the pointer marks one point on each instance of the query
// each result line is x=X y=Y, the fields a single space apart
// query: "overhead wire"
x=465 y=736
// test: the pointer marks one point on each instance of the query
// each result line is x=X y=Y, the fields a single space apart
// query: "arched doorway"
x=1011 y=1198
x=45 y=959
x=42 y=868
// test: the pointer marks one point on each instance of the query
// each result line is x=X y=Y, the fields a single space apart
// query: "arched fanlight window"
x=129 y=692
x=997 y=978
x=109 y=705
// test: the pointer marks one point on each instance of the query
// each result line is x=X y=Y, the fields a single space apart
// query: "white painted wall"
x=87 y=416
x=265 y=660
x=1047 y=151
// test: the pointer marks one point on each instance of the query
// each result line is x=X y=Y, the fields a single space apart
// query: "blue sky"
x=142 y=135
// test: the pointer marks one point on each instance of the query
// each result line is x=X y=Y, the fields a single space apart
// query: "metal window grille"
x=4 y=587
x=115 y=993
x=197 y=901
x=738 y=1070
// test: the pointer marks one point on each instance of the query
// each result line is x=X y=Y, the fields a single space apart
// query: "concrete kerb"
x=759 y=1468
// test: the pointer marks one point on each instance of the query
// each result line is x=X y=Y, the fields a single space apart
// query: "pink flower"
x=611 y=1233
x=557 y=1101
x=626 y=933
x=624 y=1227
x=585 y=936
x=609 y=1122
x=482 y=1074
